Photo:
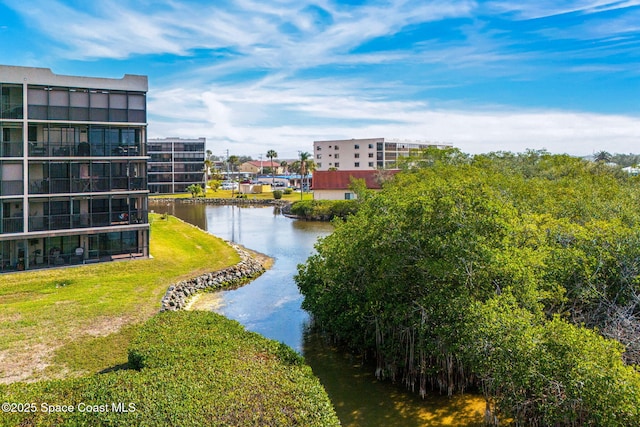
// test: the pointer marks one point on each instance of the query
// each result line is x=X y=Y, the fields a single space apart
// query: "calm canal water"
x=270 y=305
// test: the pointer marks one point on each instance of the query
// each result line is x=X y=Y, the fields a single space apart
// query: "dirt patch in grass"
x=34 y=360
x=24 y=366
x=106 y=325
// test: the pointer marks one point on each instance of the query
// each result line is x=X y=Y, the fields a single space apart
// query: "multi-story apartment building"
x=175 y=164
x=73 y=168
x=363 y=154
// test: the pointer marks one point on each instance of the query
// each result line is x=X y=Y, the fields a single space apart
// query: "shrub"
x=277 y=194
x=191 y=369
x=324 y=210
x=288 y=190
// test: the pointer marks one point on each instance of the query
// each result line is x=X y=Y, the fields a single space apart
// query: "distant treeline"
x=516 y=274
x=625 y=160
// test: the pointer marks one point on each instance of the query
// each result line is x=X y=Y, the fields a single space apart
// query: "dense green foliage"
x=324 y=210
x=185 y=369
x=485 y=271
x=195 y=190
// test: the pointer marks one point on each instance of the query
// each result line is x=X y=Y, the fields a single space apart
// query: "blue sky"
x=255 y=75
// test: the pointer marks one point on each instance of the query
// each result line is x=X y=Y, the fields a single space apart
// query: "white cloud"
x=255 y=29
x=252 y=120
x=282 y=40
x=524 y=10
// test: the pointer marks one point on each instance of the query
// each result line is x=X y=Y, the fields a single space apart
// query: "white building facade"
x=366 y=153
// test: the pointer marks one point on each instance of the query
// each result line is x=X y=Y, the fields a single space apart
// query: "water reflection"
x=270 y=305
x=361 y=400
x=193 y=213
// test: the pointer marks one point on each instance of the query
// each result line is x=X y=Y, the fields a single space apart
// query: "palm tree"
x=285 y=166
x=233 y=161
x=271 y=154
x=208 y=163
x=304 y=162
x=602 y=156
x=310 y=167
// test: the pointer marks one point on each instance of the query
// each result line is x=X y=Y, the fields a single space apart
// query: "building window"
x=356 y=164
x=318 y=156
x=337 y=156
x=356 y=146
x=356 y=155
x=349 y=196
x=337 y=147
x=370 y=146
x=10 y=101
x=337 y=164
x=318 y=148
x=371 y=155
x=370 y=164
x=319 y=164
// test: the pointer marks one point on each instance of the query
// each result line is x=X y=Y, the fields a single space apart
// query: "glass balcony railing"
x=83 y=185
x=86 y=220
x=10 y=188
x=11 y=225
x=11 y=110
x=11 y=149
x=45 y=149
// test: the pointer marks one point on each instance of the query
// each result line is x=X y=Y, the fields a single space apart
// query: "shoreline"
x=252 y=264
x=210 y=300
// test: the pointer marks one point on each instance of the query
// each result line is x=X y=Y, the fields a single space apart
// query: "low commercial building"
x=73 y=168
x=259 y=167
x=334 y=185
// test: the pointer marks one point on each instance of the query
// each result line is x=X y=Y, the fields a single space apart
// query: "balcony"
x=11 y=110
x=11 y=225
x=83 y=149
x=83 y=185
x=10 y=188
x=11 y=149
x=84 y=220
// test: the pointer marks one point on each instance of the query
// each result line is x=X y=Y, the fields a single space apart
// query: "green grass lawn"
x=186 y=369
x=54 y=322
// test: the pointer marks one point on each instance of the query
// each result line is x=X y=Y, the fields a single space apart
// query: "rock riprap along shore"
x=179 y=293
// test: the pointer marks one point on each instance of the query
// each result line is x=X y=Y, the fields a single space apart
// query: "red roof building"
x=334 y=185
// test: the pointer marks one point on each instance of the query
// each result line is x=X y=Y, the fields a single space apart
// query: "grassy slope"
x=62 y=309
x=191 y=369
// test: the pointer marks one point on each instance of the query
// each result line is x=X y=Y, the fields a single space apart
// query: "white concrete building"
x=365 y=154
